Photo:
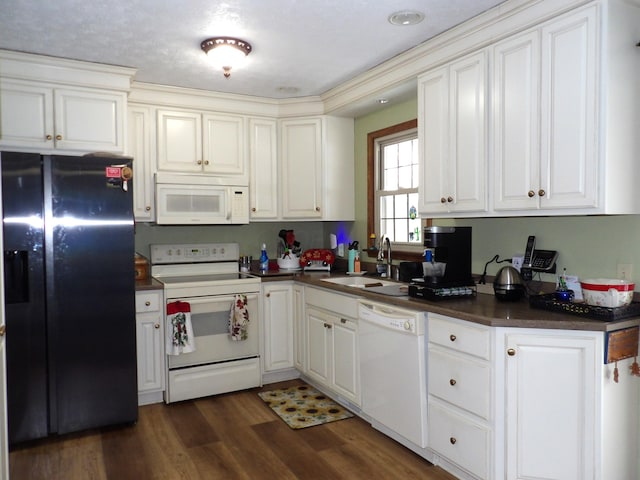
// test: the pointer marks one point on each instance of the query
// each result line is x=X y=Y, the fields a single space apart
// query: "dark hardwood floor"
x=231 y=436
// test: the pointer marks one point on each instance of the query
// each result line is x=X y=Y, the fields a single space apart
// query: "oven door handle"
x=221 y=302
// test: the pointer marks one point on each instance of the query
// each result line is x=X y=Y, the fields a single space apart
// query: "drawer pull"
x=452 y=440
x=511 y=352
x=156 y=326
x=147 y=303
x=452 y=382
x=343 y=320
x=452 y=338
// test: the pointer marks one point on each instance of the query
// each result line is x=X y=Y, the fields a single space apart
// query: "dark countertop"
x=149 y=283
x=482 y=309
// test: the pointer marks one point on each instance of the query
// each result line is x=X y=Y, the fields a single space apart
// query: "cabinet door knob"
x=206 y=162
x=326 y=325
x=452 y=337
x=452 y=382
x=199 y=162
x=541 y=192
x=156 y=326
x=58 y=137
x=267 y=295
x=449 y=199
x=452 y=440
x=253 y=209
x=443 y=200
x=343 y=320
x=49 y=137
x=147 y=303
x=3 y=329
x=511 y=352
x=317 y=209
x=531 y=193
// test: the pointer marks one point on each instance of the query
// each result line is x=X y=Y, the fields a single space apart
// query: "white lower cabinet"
x=460 y=400
x=277 y=309
x=150 y=346
x=565 y=416
x=332 y=347
x=299 y=329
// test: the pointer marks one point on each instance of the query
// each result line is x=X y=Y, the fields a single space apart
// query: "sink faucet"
x=385 y=244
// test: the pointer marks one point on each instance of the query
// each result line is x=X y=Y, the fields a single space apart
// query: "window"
x=397 y=188
x=403 y=250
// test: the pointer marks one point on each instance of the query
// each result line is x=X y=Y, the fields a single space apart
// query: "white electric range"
x=207 y=277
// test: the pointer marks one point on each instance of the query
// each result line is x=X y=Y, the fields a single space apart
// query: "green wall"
x=250 y=237
x=589 y=246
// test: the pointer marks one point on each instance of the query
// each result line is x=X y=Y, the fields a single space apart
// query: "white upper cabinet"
x=52 y=105
x=516 y=107
x=452 y=137
x=547 y=74
x=316 y=168
x=39 y=117
x=140 y=146
x=263 y=167
x=561 y=116
x=203 y=143
x=301 y=155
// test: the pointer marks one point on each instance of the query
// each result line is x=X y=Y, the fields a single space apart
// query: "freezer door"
x=24 y=288
x=91 y=292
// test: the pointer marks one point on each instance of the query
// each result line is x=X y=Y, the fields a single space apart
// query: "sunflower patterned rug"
x=303 y=406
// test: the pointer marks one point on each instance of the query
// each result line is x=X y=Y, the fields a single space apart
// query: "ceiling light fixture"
x=226 y=52
x=406 y=17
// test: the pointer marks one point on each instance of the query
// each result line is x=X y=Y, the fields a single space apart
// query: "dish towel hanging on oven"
x=179 y=329
x=239 y=318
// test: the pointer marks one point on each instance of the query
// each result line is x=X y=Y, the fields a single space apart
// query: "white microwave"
x=181 y=204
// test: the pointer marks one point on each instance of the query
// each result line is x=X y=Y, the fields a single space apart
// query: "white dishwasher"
x=393 y=369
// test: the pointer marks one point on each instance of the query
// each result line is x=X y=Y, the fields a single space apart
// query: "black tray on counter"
x=548 y=301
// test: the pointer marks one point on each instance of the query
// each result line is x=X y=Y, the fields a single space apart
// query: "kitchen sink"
x=377 y=285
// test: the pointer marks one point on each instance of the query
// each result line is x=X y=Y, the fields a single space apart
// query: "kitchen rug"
x=303 y=406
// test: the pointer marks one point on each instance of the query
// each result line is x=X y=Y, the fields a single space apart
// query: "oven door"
x=210 y=321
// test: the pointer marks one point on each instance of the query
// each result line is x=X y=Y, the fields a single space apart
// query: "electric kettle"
x=508 y=284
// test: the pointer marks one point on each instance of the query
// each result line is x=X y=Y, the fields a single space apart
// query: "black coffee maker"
x=450 y=246
x=448 y=271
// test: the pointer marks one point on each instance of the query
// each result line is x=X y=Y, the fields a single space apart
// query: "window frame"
x=380 y=144
x=403 y=252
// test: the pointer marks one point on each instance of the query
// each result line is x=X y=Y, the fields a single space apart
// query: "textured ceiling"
x=300 y=47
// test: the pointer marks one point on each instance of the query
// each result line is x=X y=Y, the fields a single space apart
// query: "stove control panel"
x=194 y=253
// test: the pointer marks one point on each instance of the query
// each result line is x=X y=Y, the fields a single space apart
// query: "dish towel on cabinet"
x=179 y=329
x=239 y=318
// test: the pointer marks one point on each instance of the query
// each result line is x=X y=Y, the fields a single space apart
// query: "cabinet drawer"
x=459 y=439
x=460 y=336
x=343 y=305
x=147 y=302
x=464 y=383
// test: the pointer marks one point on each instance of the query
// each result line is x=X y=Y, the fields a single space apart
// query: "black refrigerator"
x=69 y=285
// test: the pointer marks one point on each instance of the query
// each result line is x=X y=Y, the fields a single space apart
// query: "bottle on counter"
x=356 y=262
x=264 y=259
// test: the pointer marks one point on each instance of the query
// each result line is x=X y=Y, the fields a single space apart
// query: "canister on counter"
x=141 y=266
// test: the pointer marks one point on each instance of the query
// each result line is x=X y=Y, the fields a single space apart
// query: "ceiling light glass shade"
x=226 y=52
